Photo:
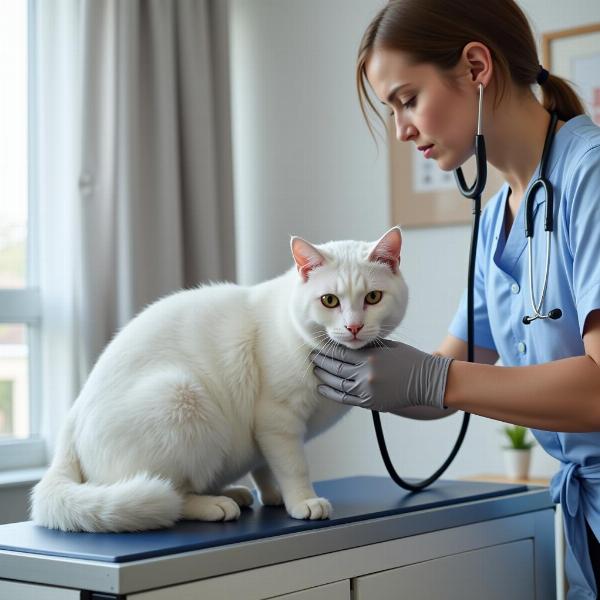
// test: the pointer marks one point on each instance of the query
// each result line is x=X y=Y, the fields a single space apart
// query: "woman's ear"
x=478 y=60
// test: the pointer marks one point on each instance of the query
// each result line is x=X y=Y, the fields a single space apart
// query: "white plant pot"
x=516 y=463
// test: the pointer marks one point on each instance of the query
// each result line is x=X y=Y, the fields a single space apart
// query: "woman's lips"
x=426 y=150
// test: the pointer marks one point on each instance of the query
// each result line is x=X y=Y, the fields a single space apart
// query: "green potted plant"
x=517 y=453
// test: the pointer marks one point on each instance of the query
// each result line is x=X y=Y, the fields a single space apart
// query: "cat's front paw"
x=313 y=509
x=270 y=497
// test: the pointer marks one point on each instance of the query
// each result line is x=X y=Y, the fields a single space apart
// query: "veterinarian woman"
x=428 y=61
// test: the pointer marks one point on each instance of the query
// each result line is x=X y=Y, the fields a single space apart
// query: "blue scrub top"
x=502 y=298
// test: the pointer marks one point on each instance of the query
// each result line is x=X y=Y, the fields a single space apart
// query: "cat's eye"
x=373 y=297
x=330 y=301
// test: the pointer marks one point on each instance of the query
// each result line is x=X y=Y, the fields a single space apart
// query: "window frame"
x=24 y=306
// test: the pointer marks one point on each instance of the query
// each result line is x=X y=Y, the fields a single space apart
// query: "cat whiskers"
x=381 y=339
x=399 y=336
x=319 y=336
x=377 y=341
x=330 y=345
x=321 y=348
x=308 y=361
x=386 y=331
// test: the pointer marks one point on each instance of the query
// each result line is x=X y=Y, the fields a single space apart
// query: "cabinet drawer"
x=493 y=573
x=28 y=591
x=340 y=590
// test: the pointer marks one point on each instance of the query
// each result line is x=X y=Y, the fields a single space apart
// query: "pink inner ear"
x=387 y=260
x=306 y=268
x=307 y=257
x=387 y=250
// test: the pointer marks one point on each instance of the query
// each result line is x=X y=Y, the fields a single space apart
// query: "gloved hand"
x=385 y=379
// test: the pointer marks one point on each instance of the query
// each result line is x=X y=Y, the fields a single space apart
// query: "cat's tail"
x=61 y=500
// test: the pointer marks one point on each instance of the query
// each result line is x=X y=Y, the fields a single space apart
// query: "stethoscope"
x=541 y=182
x=474 y=192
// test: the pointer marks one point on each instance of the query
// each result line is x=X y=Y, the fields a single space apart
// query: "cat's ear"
x=387 y=249
x=307 y=257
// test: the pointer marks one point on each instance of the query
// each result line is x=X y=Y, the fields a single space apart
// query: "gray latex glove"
x=385 y=379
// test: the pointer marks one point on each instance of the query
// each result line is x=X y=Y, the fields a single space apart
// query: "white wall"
x=305 y=164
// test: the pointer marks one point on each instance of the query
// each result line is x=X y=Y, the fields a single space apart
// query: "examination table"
x=455 y=540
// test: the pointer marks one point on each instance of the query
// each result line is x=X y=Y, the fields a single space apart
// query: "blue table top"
x=353 y=499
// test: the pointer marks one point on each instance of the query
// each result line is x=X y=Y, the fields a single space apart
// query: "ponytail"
x=558 y=96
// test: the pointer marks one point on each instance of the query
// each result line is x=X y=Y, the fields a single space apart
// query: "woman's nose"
x=405 y=131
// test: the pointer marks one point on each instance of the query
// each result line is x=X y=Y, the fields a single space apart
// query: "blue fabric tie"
x=570 y=487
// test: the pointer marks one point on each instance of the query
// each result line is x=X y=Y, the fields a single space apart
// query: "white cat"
x=208 y=384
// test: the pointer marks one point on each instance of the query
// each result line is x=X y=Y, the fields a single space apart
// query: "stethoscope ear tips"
x=555 y=313
x=527 y=320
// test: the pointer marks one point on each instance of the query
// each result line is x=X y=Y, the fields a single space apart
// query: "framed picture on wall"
x=574 y=54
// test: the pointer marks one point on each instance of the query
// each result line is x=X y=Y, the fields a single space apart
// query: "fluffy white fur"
x=208 y=384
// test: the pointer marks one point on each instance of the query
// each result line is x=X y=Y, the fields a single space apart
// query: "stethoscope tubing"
x=472 y=192
x=543 y=183
x=537 y=307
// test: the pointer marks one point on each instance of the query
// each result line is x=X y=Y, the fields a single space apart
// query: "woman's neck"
x=515 y=139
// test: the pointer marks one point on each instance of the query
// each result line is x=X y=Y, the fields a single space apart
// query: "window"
x=14 y=379
x=20 y=445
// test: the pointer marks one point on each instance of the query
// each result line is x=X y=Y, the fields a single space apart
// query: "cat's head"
x=346 y=291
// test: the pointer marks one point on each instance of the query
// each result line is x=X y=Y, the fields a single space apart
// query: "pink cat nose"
x=354 y=329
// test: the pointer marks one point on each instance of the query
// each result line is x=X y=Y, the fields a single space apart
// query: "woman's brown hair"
x=436 y=31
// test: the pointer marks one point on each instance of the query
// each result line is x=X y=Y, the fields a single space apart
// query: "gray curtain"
x=155 y=183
